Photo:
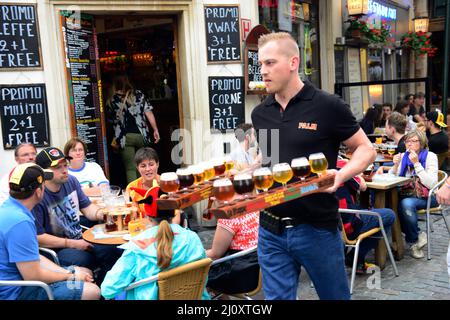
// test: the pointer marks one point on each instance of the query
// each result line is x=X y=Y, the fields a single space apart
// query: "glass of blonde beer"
x=229 y=163
x=219 y=166
x=185 y=177
x=198 y=173
x=318 y=163
x=169 y=182
x=301 y=168
x=223 y=190
x=263 y=178
x=282 y=173
x=243 y=184
x=208 y=170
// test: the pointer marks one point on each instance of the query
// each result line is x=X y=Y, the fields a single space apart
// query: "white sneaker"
x=422 y=242
x=416 y=252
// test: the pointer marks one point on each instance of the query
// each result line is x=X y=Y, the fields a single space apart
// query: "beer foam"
x=206 y=165
x=196 y=169
x=316 y=156
x=222 y=183
x=281 y=167
x=169 y=176
x=243 y=176
x=217 y=162
x=299 y=162
x=183 y=172
x=262 y=172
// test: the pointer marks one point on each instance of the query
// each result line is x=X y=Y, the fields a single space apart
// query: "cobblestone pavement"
x=419 y=279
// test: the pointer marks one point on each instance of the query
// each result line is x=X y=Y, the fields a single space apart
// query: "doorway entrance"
x=143 y=47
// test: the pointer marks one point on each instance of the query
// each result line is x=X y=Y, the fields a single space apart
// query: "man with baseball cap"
x=58 y=221
x=19 y=251
x=437 y=138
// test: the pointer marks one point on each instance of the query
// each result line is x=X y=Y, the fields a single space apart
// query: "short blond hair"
x=420 y=135
x=290 y=47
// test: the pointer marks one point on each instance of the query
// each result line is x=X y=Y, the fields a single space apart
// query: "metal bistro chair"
x=442 y=176
x=240 y=295
x=33 y=283
x=355 y=243
x=185 y=282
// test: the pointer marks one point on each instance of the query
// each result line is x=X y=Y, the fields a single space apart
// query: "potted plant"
x=359 y=28
x=420 y=43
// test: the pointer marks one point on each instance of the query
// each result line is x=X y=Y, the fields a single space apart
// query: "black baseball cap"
x=50 y=157
x=27 y=177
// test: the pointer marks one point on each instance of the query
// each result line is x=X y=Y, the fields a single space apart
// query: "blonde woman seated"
x=420 y=163
x=233 y=235
x=162 y=247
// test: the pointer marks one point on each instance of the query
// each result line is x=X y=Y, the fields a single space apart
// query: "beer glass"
x=318 y=163
x=223 y=190
x=243 y=184
x=282 y=173
x=198 y=174
x=114 y=190
x=301 y=168
x=185 y=177
x=391 y=149
x=208 y=170
x=263 y=178
x=169 y=182
x=219 y=166
x=229 y=163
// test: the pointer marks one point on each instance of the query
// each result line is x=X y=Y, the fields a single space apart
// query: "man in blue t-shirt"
x=58 y=222
x=19 y=251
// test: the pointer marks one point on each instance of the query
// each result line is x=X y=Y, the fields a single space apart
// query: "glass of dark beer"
x=301 y=168
x=223 y=190
x=243 y=184
x=219 y=166
x=185 y=177
x=169 y=182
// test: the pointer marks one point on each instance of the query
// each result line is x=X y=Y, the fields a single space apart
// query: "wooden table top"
x=89 y=237
x=385 y=185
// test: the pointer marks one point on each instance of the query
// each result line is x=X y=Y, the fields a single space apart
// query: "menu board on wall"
x=354 y=75
x=19 y=37
x=24 y=115
x=84 y=86
x=223 y=34
x=226 y=102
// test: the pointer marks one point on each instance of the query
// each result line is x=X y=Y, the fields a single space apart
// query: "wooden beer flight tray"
x=186 y=198
x=273 y=197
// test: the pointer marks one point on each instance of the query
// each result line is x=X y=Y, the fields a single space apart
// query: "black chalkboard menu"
x=226 y=102
x=223 y=35
x=24 y=115
x=86 y=107
x=339 y=64
x=19 y=37
x=253 y=67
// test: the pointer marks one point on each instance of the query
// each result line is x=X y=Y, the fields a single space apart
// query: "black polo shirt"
x=438 y=142
x=313 y=121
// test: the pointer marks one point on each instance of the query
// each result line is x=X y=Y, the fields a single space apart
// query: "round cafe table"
x=89 y=237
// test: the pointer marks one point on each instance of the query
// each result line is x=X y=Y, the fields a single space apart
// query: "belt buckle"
x=288 y=222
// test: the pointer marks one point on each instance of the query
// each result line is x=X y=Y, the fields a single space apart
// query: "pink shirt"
x=244 y=229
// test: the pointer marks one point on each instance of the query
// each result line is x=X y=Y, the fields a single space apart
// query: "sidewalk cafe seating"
x=442 y=176
x=240 y=295
x=356 y=242
x=33 y=283
x=185 y=282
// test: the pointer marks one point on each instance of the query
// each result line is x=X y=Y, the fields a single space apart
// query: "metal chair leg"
x=354 y=266
x=388 y=247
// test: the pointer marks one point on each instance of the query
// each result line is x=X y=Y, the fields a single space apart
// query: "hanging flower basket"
x=420 y=43
x=359 y=28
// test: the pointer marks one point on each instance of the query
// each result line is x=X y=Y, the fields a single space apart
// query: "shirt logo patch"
x=307 y=126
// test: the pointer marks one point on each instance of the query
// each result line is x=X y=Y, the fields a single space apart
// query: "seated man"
x=437 y=136
x=58 y=222
x=354 y=225
x=19 y=251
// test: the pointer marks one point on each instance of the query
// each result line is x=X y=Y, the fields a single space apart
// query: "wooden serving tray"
x=273 y=197
x=186 y=198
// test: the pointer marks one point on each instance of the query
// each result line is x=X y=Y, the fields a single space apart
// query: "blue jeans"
x=407 y=210
x=63 y=290
x=319 y=251
x=369 y=222
x=102 y=256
